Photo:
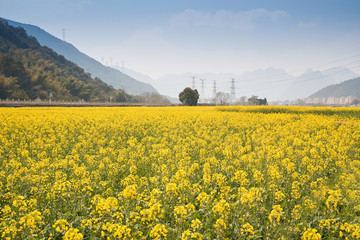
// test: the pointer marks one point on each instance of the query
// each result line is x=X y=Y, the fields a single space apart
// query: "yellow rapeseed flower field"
x=180 y=173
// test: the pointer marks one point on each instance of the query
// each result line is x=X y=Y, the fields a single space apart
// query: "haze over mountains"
x=311 y=81
x=109 y=75
x=29 y=71
x=344 y=89
x=271 y=83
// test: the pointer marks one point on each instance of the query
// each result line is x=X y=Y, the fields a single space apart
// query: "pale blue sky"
x=156 y=37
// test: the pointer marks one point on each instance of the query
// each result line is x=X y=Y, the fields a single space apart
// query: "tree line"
x=190 y=97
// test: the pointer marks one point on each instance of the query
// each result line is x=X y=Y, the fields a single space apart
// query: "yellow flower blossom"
x=220 y=225
x=159 y=232
x=247 y=229
x=276 y=214
x=311 y=234
x=61 y=225
x=73 y=234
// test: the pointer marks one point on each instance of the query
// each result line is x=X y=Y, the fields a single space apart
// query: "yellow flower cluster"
x=276 y=214
x=61 y=225
x=158 y=232
x=311 y=234
x=180 y=173
x=73 y=234
x=247 y=230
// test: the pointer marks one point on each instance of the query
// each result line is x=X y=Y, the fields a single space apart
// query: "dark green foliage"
x=29 y=71
x=344 y=89
x=13 y=79
x=121 y=96
x=189 y=97
x=355 y=102
x=254 y=100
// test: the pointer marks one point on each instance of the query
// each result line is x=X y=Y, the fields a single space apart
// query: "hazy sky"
x=156 y=37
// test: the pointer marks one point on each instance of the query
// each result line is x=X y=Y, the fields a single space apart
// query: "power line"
x=214 y=89
x=351 y=63
x=233 y=88
x=202 y=89
x=348 y=66
x=309 y=75
x=272 y=87
x=275 y=83
x=193 y=82
x=316 y=66
x=345 y=65
x=309 y=79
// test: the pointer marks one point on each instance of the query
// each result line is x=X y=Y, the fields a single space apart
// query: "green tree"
x=189 y=97
x=254 y=100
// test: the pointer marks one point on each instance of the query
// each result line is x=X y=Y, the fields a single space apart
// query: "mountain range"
x=109 y=75
x=272 y=83
x=311 y=81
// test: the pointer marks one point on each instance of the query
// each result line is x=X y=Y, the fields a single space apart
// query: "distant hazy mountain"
x=344 y=89
x=311 y=81
x=139 y=76
x=272 y=83
x=305 y=84
x=109 y=75
x=146 y=79
x=269 y=83
x=339 y=74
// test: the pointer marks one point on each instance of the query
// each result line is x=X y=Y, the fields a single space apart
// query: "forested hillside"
x=29 y=71
x=109 y=75
x=344 y=89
